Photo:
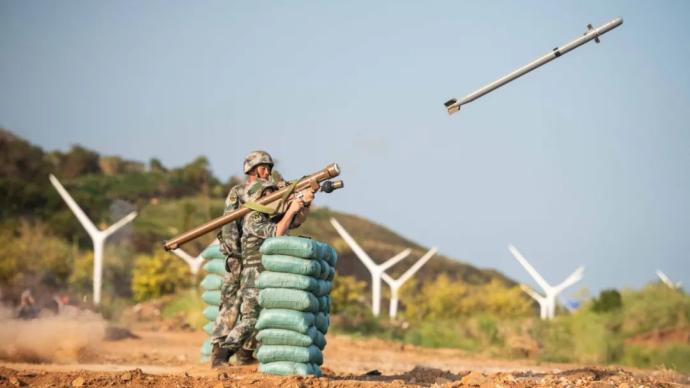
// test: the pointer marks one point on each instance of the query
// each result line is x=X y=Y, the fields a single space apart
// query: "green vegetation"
x=159 y=274
x=188 y=306
x=643 y=328
x=448 y=304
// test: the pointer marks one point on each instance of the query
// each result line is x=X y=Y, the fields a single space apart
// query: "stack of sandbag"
x=215 y=267
x=295 y=299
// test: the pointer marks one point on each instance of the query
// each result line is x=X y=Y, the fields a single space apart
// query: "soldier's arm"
x=282 y=226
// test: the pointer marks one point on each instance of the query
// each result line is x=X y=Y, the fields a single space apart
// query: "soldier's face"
x=263 y=171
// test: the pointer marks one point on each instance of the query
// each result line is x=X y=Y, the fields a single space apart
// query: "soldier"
x=257 y=227
x=27 y=306
x=258 y=165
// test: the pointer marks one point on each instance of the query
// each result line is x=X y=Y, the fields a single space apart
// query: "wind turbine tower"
x=376 y=270
x=97 y=236
x=667 y=281
x=547 y=303
x=396 y=284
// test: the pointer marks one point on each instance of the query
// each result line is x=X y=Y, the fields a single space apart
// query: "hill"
x=168 y=200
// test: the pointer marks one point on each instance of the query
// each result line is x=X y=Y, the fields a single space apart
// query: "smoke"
x=67 y=337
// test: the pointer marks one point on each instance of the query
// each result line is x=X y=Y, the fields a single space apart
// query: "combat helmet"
x=256 y=189
x=256 y=158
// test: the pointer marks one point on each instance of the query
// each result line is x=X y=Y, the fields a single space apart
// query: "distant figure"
x=27 y=306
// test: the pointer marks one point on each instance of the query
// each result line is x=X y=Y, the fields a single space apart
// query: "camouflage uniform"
x=229 y=302
x=256 y=228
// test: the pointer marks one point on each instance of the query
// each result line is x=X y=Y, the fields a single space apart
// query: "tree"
x=608 y=300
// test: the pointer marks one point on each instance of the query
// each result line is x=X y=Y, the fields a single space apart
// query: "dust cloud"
x=67 y=337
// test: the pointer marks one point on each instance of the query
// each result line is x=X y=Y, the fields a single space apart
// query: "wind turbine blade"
x=81 y=216
x=394 y=260
x=368 y=262
x=532 y=293
x=410 y=272
x=184 y=256
x=535 y=275
x=570 y=280
x=114 y=227
x=388 y=279
x=664 y=278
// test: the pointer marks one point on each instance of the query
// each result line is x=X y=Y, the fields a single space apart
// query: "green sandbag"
x=331 y=274
x=285 y=319
x=322 y=322
x=319 y=339
x=325 y=269
x=212 y=252
x=289 y=264
x=286 y=298
x=216 y=266
x=211 y=297
x=273 y=353
x=325 y=304
x=333 y=260
x=287 y=368
x=325 y=287
x=296 y=246
x=292 y=338
x=211 y=313
x=208 y=328
x=269 y=279
x=286 y=337
x=212 y=282
x=206 y=348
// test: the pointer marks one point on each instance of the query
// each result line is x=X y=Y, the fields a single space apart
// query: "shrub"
x=160 y=274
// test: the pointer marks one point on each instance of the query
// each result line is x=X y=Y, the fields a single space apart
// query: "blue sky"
x=582 y=162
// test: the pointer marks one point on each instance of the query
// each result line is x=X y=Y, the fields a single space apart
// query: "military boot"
x=219 y=356
x=245 y=357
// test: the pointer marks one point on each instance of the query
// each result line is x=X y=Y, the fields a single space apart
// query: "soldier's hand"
x=307 y=196
x=295 y=206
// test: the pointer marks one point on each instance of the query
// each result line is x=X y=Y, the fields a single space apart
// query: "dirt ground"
x=171 y=359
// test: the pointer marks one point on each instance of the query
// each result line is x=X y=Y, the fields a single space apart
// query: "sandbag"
x=325 y=304
x=206 y=348
x=285 y=319
x=211 y=297
x=333 y=259
x=215 y=266
x=296 y=246
x=324 y=269
x=325 y=287
x=212 y=282
x=287 y=337
x=208 y=328
x=211 y=313
x=321 y=321
x=287 y=368
x=273 y=353
x=331 y=274
x=270 y=279
x=286 y=298
x=319 y=339
x=212 y=252
x=289 y=264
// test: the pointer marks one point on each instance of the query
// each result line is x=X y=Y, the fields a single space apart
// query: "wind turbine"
x=547 y=303
x=376 y=270
x=667 y=281
x=194 y=263
x=396 y=284
x=97 y=236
